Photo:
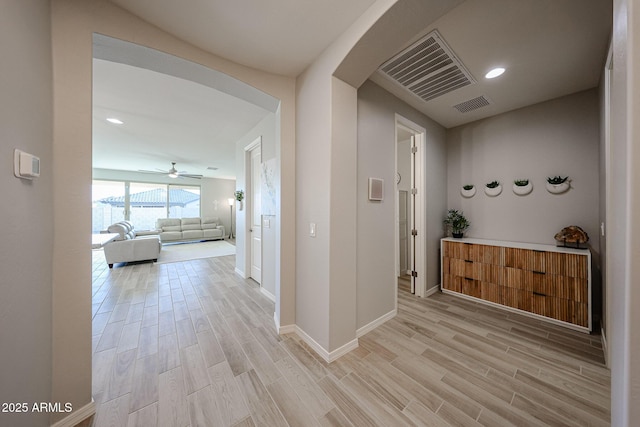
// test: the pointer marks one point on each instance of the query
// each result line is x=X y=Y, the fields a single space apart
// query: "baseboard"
x=379 y=321
x=268 y=294
x=240 y=273
x=327 y=356
x=77 y=416
x=287 y=329
x=432 y=291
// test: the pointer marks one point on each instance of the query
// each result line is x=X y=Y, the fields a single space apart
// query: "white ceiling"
x=550 y=48
x=166 y=119
x=278 y=36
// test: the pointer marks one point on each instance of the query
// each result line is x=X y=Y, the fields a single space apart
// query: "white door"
x=255 y=207
x=411 y=162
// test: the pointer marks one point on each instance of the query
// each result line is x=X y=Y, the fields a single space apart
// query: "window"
x=141 y=203
x=147 y=203
x=106 y=206
x=184 y=201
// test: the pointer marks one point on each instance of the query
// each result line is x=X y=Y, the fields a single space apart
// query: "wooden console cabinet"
x=539 y=280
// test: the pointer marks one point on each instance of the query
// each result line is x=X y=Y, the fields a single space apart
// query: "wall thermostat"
x=25 y=165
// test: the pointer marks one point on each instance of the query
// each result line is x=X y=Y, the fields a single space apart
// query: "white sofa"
x=189 y=229
x=130 y=246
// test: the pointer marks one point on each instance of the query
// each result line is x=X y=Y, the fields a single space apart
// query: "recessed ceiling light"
x=115 y=121
x=494 y=73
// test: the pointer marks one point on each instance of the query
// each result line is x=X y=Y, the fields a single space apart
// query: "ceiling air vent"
x=472 y=104
x=428 y=68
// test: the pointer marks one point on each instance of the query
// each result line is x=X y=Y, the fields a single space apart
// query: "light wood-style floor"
x=191 y=343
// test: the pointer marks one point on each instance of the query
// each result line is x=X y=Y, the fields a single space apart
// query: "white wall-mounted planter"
x=239 y=205
x=558 y=188
x=523 y=190
x=493 y=192
x=468 y=193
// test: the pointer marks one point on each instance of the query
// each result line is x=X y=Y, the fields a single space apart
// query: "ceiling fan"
x=173 y=172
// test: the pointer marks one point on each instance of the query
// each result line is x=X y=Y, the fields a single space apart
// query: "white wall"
x=325 y=193
x=214 y=200
x=27 y=243
x=74 y=22
x=375 y=267
x=558 y=137
x=623 y=210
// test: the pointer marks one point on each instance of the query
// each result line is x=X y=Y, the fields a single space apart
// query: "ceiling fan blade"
x=189 y=175
x=153 y=172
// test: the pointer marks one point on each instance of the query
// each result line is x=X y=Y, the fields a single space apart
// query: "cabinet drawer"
x=492 y=292
x=493 y=274
x=517 y=298
x=463 y=268
x=451 y=282
x=471 y=287
x=571 y=265
x=477 y=253
x=561 y=309
x=525 y=259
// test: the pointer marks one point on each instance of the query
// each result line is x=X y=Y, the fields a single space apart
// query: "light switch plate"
x=312 y=229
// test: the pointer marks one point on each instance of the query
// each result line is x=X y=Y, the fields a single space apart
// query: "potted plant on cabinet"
x=456 y=221
x=557 y=184
x=522 y=187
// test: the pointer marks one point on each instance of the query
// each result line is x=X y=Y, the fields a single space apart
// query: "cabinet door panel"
x=451 y=282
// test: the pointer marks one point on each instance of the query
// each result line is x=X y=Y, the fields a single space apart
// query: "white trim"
x=341 y=351
x=377 y=322
x=327 y=356
x=77 y=416
x=287 y=329
x=256 y=142
x=419 y=133
x=248 y=182
x=432 y=291
x=268 y=294
x=240 y=273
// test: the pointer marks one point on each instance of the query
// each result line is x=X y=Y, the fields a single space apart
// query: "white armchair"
x=129 y=246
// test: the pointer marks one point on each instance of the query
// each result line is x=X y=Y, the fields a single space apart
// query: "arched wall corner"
x=74 y=23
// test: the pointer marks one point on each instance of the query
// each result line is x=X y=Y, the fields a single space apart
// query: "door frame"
x=248 y=199
x=419 y=133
